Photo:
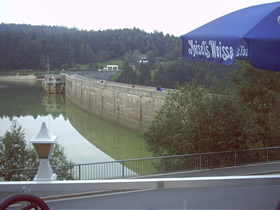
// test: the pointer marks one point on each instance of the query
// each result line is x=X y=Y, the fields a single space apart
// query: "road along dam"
x=131 y=106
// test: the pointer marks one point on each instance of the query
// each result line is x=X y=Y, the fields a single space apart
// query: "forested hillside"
x=27 y=47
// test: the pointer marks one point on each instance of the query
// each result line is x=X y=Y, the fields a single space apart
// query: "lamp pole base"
x=45 y=172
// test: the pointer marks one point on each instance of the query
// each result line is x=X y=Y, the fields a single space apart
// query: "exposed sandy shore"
x=18 y=77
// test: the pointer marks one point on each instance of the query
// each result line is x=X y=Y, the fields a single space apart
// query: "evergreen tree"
x=86 y=54
x=160 y=78
x=144 y=74
x=14 y=151
x=15 y=154
x=128 y=75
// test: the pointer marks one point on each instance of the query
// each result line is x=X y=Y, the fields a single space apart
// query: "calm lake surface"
x=85 y=138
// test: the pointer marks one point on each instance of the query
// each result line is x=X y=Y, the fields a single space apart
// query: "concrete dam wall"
x=131 y=107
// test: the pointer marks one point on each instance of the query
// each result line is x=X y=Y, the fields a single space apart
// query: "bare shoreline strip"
x=18 y=77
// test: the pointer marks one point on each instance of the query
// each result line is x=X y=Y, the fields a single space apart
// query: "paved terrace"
x=232 y=187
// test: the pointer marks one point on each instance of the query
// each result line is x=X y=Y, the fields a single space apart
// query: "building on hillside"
x=142 y=58
x=111 y=68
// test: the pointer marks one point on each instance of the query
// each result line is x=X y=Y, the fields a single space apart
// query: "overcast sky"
x=175 y=17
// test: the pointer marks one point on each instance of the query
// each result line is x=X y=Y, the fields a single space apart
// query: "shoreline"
x=18 y=78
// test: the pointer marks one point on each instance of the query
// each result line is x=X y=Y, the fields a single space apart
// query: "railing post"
x=235 y=158
x=200 y=161
x=267 y=156
x=122 y=169
x=163 y=165
x=79 y=172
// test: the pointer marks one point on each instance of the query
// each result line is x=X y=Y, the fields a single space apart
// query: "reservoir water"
x=85 y=138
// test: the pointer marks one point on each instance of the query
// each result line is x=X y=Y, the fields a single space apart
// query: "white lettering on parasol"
x=212 y=49
x=199 y=49
x=242 y=51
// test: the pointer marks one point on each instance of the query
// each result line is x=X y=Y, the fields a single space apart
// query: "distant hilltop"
x=27 y=46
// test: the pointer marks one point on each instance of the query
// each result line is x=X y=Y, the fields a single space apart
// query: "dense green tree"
x=15 y=154
x=128 y=75
x=13 y=150
x=145 y=77
x=86 y=54
x=193 y=120
x=259 y=91
x=159 y=78
x=183 y=71
x=132 y=56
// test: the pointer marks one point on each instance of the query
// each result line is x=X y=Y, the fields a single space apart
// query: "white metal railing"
x=150 y=166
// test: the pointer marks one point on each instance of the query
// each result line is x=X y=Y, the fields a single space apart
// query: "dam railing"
x=151 y=166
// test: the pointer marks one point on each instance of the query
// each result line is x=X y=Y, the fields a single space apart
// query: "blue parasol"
x=252 y=33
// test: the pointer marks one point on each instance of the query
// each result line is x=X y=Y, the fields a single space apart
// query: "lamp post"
x=43 y=144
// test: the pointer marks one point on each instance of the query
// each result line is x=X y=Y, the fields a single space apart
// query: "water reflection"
x=54 y=103
x=114 y=140
x=21 y=99
x=84 y=137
